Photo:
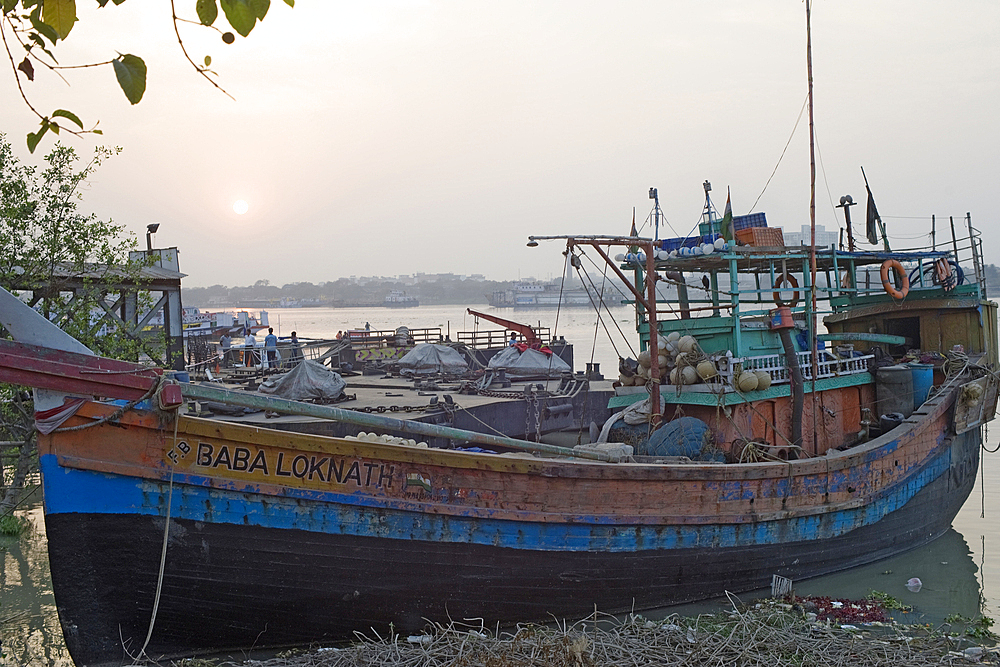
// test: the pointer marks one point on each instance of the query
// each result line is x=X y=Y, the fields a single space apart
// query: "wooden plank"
x=73 y=373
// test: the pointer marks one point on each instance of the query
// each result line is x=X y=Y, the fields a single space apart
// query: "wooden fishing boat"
x=172 y=535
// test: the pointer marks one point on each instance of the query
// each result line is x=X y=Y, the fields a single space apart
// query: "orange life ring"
x=887 y=285
x=786 y=279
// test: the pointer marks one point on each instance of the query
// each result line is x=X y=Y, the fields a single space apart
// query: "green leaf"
x=27 y=68
x=69 y=115
x=208 y=61
x=260 y=8
x=131 y=73
x=33 y=139
x=9 y=5
x=61 y=15
x=44 y=28
x=290 y=3
x=240 y=15
x=97 y=131
x=207 y=10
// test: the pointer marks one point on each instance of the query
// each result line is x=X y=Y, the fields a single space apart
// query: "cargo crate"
x=687 y=241
x=770 y=237
x=748 y=221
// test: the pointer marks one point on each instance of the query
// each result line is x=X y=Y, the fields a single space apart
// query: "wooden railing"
x=486 y=339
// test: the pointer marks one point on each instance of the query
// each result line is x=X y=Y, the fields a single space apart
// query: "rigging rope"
x=600 y=300
x=606 y=307
x=801 y=111
x=163 y=551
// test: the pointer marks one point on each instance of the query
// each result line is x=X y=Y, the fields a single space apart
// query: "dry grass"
x=768 y=634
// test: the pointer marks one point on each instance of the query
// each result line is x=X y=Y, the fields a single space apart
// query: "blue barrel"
x=923 y=380
x=180 y=376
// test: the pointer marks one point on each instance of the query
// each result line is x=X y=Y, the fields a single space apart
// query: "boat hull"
x=359 y=536
x=229 y=586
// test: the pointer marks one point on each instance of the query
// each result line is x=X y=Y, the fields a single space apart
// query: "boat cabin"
x=731 y=345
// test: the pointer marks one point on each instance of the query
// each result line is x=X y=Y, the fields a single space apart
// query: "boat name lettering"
x=178 y=452
x=301 y=466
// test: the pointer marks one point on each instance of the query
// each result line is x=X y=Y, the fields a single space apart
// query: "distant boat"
x=399 y=299
x=204 y=323
x=541 y=295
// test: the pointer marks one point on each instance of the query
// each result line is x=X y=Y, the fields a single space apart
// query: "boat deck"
x=498 y=410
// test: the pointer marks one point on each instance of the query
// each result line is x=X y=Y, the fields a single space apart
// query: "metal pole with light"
x=846 y=202
x=656 y=213
x=150 y=230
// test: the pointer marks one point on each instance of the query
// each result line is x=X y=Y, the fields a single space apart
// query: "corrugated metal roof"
x=103 y=271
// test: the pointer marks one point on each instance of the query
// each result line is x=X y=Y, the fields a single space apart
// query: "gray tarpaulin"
x=529 y=362
x=429 y=358
x=307 y=381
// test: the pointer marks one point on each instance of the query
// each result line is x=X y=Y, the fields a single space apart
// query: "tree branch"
x=176 y=19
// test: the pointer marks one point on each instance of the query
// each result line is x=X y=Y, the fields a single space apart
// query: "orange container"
x=761 y=236
x=781 y=318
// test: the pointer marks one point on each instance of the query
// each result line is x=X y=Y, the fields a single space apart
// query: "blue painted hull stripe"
x=70 y=490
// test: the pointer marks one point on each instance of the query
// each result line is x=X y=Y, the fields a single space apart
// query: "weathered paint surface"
x=340 y=513
x=480 y=487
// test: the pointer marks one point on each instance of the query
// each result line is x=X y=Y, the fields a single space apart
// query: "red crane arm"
x=531 y=338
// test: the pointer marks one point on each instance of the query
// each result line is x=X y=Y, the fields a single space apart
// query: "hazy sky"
x=386 y=138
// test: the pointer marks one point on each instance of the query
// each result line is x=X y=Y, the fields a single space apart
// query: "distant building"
x=824 y=239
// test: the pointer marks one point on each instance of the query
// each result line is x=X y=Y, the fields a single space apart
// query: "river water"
x=960 y=572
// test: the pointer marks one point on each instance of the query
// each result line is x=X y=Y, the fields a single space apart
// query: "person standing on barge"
x=271 y=347
x=296 y=356
x=249 y=354
x=227 y=346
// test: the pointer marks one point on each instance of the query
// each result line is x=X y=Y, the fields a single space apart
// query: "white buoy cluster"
x=749 y=380
x=385 y=439
x=682 y=362
x=719 y=245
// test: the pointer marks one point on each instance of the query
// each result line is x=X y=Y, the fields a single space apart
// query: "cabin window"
x=908 y=327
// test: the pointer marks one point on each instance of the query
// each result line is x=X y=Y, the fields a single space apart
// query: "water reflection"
x=945 y=568
x=29 y=624
x=977 y=522
x=946 y=571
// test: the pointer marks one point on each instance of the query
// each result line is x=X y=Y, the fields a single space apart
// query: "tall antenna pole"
x=812 y=223
x=656 y=213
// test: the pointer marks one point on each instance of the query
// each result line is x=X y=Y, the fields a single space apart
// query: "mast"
x=812 y=218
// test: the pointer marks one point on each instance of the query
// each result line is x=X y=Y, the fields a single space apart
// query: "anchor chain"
x=391 y=408
x=538 y=423
x=531 y=406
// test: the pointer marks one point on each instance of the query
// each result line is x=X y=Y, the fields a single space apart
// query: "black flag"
x=872 y=218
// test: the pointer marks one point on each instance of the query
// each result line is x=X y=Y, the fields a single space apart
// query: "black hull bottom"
x=231 y=586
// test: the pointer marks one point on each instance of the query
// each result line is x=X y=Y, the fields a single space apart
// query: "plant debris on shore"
x=771 y=633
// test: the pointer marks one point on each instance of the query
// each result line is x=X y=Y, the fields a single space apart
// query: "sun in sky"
x=240 y=207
